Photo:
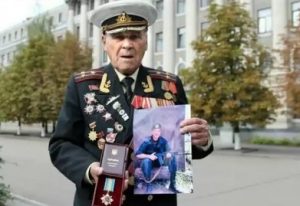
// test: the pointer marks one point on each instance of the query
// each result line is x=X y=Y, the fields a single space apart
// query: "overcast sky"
x=15 y=11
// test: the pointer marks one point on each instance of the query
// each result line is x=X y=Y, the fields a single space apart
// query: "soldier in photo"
x=99 y=103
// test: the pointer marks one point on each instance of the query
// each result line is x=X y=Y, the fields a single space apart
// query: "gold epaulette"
x=88 y=75
x=163 y=75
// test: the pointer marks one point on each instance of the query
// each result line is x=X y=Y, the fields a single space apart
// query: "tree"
x=291 y=63
x=14 y=94
x=225 y=80
x=65 y=57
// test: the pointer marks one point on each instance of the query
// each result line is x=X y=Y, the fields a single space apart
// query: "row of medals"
x=91 y=107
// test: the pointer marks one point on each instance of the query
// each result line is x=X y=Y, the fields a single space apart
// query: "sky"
x=15 y=11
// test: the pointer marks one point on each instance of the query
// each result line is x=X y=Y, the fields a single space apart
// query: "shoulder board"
x=163 y=75
x=88 y=75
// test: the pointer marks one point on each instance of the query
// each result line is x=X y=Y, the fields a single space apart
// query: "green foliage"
x=66 y=57
x=272 y=141
x=225 y=81
x=32 y=88
x=291 y=56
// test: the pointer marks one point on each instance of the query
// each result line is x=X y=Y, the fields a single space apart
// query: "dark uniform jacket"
x=95 y=102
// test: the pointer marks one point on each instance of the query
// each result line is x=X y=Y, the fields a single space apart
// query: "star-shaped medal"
x=107 y=116
x=107 y=199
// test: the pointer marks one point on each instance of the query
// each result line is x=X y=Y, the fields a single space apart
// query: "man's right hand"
x=153 y=156
x=95 y=171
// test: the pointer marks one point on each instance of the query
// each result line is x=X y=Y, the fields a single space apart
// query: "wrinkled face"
x=156 y=134
x=125 y=50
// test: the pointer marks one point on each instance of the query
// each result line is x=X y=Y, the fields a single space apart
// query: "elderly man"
x=99 y=103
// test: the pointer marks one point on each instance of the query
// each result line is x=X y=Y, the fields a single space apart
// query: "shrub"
x=277 y=141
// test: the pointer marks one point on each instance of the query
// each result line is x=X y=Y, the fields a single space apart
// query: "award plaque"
x=109 y=188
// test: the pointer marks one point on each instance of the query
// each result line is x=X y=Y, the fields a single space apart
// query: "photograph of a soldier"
x=159 y=149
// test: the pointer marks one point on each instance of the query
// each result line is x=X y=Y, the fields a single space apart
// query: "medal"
x=118 y=127
x=107 y=116
x=111 y=137
x=89 y=109
x=168 y=95
x=109 y=185
x=90 y=98
x=101 y=143
x=92 y=134
x=100 y=108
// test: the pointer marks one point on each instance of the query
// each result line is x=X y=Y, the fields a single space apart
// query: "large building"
x=179 y=22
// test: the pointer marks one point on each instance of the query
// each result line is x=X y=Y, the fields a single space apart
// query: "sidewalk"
x=22 y=201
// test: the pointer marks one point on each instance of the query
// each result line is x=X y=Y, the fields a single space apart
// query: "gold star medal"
x=92 y=134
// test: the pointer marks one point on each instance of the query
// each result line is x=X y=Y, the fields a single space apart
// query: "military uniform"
x=94 y=108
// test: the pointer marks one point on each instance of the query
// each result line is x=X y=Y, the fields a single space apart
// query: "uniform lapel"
x=111 y=95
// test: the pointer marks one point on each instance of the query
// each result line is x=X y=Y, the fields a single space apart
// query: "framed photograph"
x=163 y=156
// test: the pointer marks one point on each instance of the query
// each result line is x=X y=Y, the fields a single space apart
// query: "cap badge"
x=123 y=18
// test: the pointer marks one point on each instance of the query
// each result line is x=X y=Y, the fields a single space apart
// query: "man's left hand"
x=198 y=128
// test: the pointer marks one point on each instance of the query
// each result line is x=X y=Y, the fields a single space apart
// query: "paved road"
x=257 y=175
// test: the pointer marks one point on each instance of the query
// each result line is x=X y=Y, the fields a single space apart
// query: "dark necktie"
x=127 y=82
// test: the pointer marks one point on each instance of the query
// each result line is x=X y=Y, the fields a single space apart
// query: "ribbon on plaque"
x=109 y=188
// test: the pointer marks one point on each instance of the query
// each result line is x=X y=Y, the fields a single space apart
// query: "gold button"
x=150 y=198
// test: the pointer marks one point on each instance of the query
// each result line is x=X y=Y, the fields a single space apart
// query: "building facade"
x=169 y=39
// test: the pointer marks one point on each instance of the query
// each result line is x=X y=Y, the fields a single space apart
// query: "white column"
x=83 y=35
x=191 y=29
x=168 y=36
x=96 y=42
x=149 y=55
x=279 y=23
x=71 y=12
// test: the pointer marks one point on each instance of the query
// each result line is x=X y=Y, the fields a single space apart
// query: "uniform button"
x=150 y=198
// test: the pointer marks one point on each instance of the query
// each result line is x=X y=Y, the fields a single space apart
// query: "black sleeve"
x=66 y=147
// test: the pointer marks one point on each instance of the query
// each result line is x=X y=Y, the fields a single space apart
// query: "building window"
x=59 y=17
x=2 y=59
x=91 y=4
x=51 y=21
x=8 y=57
x=16 y=34
x=22 y=32
x=159 y=42
x=9 y=37
x=296 y=14
x=181 y=37
x=91 y=30
x=264 y=20
x=159 y=7
x=204 y=3
x=203 y=27
x=3 y=39
x=180 y=6
x=59 y=38
x=105 y=1
x=77 y=31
